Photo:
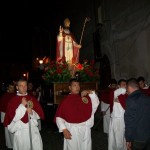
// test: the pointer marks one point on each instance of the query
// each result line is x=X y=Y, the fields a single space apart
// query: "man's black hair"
x=113 y=81
x=10 y=83
x=73 y=80
x=141 y=78
x=22 y=78
x=121 y=80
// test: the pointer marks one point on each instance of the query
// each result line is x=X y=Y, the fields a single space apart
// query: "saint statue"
x=67 y=48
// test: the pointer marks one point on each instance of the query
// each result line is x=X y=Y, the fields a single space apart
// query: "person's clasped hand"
x=24 y=101
x=86 y=92
x=67 y=134
x=79 y=46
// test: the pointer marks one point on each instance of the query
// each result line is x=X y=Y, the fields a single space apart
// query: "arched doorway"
x=105 y=72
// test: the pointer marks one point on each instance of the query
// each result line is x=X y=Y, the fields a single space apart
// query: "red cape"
x=73 y=110
x=13 y=105
x=121 y=98
x=75 y=49
x=4 y=100
x=146 y=91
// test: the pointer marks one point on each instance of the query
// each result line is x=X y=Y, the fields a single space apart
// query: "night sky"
x=30 y=26
x=23 y=20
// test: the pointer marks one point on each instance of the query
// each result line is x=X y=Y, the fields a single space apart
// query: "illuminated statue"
x=67 y=47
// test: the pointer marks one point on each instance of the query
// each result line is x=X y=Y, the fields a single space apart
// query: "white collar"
x=21 y=94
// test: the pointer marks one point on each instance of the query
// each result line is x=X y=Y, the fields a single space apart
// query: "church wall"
x=126 y=36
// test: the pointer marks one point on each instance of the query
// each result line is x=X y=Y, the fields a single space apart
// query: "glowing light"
x=40 y=61
x=24 y=74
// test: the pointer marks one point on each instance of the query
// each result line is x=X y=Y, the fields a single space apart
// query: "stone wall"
x=126 y=37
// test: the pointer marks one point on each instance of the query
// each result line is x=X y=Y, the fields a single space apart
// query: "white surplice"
x=116 y=138
x=81 y=132
x=8 y=135
x=21 y=131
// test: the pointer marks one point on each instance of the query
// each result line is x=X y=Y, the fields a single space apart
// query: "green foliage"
x=59 y=72
x=56 y=72
x=88 y=72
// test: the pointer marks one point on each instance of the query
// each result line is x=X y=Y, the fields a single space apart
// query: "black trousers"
x=141 y=145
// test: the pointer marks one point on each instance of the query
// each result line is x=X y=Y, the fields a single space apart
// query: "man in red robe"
x=143 y=86
x=31 y=90
x=75 y=117
x=105 y=104
x=4 y=100
x=116 y=139
x=21 y=117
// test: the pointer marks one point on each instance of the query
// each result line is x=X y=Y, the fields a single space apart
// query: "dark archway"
x=105 y=72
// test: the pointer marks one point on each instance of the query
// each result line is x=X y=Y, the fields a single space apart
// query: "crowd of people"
x=125 y=106
x=126 y=114
x=21 y=113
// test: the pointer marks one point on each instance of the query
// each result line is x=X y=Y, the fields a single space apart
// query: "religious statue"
x=67 y=47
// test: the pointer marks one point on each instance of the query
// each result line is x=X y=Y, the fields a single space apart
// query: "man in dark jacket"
x=137 y=118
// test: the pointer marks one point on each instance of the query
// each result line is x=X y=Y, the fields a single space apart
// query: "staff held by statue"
x=87 y=19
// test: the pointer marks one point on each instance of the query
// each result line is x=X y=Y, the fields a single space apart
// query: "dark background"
x=25 y=22
x=29 y=29
x=21 y=22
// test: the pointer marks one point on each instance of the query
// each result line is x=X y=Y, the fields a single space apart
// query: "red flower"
x=90 y=74
x=64 y=66
x=59 y=71
x=79 y=66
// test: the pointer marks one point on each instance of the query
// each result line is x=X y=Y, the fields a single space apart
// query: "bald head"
x=132 y=85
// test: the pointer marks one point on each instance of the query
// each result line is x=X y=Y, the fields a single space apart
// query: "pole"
x=87 y=19
x=30 y=105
